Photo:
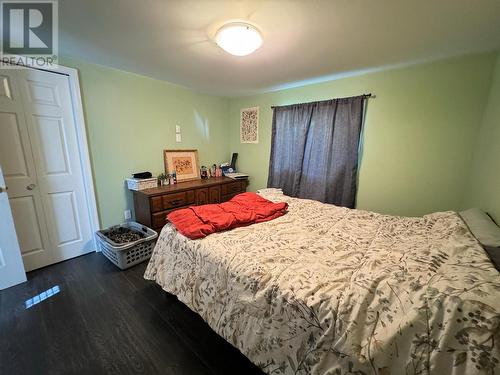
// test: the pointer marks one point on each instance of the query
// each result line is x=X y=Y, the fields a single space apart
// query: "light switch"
x=177 y=129
x=178 y=138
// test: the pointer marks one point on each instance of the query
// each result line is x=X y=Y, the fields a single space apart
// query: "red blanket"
x=244 y=209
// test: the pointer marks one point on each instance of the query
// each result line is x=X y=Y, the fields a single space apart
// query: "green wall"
x=484 y=188
x=419 y=133
x=130 y=119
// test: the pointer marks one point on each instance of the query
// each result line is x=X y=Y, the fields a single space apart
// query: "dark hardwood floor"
x=100 y=320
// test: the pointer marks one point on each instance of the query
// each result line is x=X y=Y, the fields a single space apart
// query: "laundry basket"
x=131 y=253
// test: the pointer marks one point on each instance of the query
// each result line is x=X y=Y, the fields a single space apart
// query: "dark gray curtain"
x=314 y=149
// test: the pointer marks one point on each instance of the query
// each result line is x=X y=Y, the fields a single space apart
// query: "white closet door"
x=11 y=264
x=17 y=162
x=51 y=128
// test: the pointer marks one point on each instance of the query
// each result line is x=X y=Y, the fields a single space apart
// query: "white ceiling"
x=303 y=40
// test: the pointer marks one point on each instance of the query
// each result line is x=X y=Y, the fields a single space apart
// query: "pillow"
x=270 y=191
x=494 y=254
x=271 y=194
x=482 y=227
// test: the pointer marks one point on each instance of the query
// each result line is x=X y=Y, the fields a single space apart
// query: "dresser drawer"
x=159 y=219
x=170 y=201
x=214 y=194
x=152 y=206
x=156 y=204
x=190 y=196
x=232 y=188
x=227 y=197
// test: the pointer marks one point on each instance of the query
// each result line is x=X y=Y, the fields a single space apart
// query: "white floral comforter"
x=329 y=290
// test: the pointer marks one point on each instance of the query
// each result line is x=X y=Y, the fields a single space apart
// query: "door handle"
x=31 y=186
x=3 y=189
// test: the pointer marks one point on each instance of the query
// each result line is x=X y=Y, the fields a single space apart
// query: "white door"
x=19 y=171
x=11 y=264
x=39 y=149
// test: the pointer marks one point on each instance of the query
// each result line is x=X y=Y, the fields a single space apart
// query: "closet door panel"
x=18 y=165
x=51 y=127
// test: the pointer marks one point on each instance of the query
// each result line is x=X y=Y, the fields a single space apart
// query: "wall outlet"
x=178 y=138
x=127 y=214
x=177 y=129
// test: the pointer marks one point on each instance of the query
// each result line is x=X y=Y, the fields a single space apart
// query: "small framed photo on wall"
x=183 y=162
x=249 y=125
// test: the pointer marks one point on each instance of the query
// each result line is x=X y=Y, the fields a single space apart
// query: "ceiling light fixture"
x=238 y=38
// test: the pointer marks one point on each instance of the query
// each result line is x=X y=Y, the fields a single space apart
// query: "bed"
x=331 y=290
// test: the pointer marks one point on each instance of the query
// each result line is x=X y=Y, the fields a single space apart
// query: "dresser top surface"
x=188 y=185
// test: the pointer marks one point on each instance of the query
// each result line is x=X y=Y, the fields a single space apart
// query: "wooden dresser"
x=153 y=205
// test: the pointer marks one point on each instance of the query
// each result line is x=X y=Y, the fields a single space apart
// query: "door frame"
x=82 y=140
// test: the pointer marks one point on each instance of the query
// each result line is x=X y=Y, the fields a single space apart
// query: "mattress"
x=331 y=290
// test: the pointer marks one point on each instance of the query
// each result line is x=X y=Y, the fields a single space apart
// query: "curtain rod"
x=366 y=96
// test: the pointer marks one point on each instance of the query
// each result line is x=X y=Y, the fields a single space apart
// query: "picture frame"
x=249 y=125
x=184 y=162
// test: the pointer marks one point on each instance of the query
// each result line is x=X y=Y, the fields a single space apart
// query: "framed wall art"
x=183 y=162
x=249 y=125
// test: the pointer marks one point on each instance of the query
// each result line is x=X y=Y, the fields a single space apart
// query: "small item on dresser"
x=213 y=170
x=233 y=160
x=174 y=177
x=237 y=176
x=227 y=169
x=203 y=172
x=141 y=183
x=142 y=175
x=163 y=179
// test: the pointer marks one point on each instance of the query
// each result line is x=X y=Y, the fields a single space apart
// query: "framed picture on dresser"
x=183 y=162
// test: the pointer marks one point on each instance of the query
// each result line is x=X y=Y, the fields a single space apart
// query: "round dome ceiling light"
x=238 y=38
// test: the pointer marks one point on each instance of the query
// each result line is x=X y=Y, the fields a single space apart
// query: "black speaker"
x=142 y=175
x=233 y=160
